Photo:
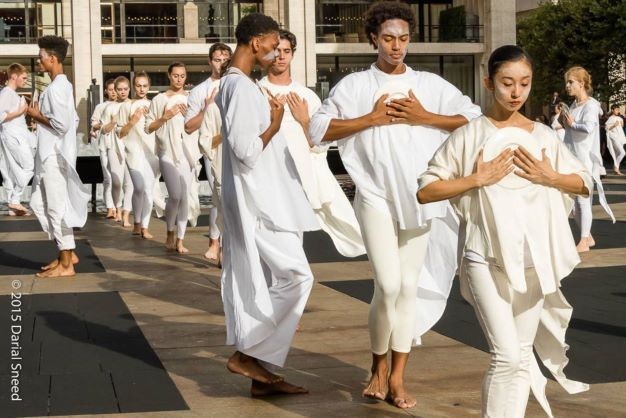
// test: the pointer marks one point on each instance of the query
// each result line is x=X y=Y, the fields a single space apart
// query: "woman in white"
x=141 y=156
x=332 y=208
x=17 y=160
x=389 y=120
x=96 y=125
x=556 y=124
x=121 y=184
x=615 y=138
x=517 y=242
x=178 y=156
x=582 y=137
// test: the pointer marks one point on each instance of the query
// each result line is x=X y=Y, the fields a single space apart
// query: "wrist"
x=474 y=181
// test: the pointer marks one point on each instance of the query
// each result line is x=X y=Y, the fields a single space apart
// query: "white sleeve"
x=97 y=113
x=331 y=109
x=61 y=115
x=6 y=103
x=195 y=102
x=446 y=162
x=243 y=132
x=152 y=113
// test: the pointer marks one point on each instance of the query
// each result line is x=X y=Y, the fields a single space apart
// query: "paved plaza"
x=140 y=332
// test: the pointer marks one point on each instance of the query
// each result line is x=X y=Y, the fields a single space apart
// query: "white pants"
x=396 y=256
x=49 y=205
x=214 y=231
x=178 y=180
x=509 y=320
x=17 y=166
x=121 y=183
x=616 y=150
x=106 y=180
x=143 y=190
x=14 y=192
x=583 y=214
x=290 y=280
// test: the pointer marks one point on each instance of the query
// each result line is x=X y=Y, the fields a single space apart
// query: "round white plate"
x=511 y=138
x=395 y=90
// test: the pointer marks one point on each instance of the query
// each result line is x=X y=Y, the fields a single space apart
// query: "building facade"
x=118 y=37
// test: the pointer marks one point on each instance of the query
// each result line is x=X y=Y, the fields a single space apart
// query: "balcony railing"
x=162 y=33
x=28 y=34
x=335 y=33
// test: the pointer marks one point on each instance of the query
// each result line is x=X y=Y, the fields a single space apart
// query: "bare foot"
x=54 y=262
x=137 y=229
x=145 y=234
x=16 y=210
x=57 y=271
x=180 y=248
x=583 y=245
x=170 y=241
x=110 y=213
x=398 y=396
x=280 y=388
x=214 y=250
x=250 y=367
x=12 y=212
x=616 y=171
x=377 y=388
x=591 y=241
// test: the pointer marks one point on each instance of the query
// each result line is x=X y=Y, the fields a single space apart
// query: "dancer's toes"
x=377 y=388
x=137 y=229
x=180 y=248
x=249 y=367
x=57 y=271
x=402 y=401
x=279 y=388
x=591 y=241
x=145 y=234
x=50 y=265
x=583 y=245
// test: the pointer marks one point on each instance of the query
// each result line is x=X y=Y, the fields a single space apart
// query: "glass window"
x=459 y=70
x=24 y=22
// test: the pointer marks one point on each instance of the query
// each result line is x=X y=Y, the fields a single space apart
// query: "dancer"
x=121 y=183
x=59 y=199
x=17 y=162
x=517 y=241
x=616 y=138
x=266 y=279
x=95 y=133
x=582 y=137
x=203 y=116
x=141 y=156
x=178 y=156
x=556 y=124
x=332 y=208
x=390 y=120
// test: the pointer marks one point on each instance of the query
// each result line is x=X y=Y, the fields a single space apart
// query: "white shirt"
x=384 y=162
x=137 y=142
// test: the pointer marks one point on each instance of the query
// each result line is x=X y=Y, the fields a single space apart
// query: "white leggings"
x=143 y=190
x=509 y=321
x=106 y=180
x=583 y=214
x=120 y=181
x=617 y=152
x=214 y=231
x=178 y=179
x=396 y=256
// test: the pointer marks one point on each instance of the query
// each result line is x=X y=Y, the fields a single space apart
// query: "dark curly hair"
x=54 y=45
x=285 y=34
x=254 y=24
x=381 y=11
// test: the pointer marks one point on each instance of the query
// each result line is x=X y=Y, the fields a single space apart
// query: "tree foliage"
x=589 y=33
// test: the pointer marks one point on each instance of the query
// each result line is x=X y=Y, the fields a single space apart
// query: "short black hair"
x=379 y=12
x=285 y=34
x=615 y=106
x=254 y=24
x=176 y=64
x=504 y=54
x=54 y=45
x=218 y=46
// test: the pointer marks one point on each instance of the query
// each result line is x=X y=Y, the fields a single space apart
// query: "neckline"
x=494 y=125
x=375 y=68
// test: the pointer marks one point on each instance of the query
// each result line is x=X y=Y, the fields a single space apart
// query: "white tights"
x=396 y=256
x=120 y=182
x=583 y=214
x=178 y=178
x=106 y=180
x=143 y=189
x=509 y=321
x=214 y=231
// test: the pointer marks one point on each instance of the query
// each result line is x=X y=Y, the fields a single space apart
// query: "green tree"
x=589 y=33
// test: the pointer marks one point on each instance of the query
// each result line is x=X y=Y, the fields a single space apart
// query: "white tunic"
x=615 y=134
x=259 y=186
x=140 y=147
x=57 y=104
x=172 y=141
x=111 y=140
x=497 y=222
x=583 y=140
x=332 y=208
x=16 y=140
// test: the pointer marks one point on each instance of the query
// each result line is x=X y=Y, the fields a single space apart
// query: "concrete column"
x=66 y=12
x=96 y=42
x=272 y=8
x=300 y=20
x=190 y=22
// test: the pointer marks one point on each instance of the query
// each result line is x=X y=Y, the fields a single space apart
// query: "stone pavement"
x=175 y=301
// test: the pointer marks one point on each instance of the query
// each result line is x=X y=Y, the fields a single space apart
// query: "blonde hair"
x=581 y=75
x=16 y=68
x=121 y=79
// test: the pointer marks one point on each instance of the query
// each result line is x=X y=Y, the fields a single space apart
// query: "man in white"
x=266 y=279
x=17 y=162
x=390 y=120
x=203 y=116
x=59 y=198
x=332 y=208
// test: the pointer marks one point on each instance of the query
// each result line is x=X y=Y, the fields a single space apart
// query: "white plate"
x=395 y=90
x=511 y=138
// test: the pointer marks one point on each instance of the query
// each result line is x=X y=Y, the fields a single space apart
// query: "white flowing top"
x=137 y=143
x=498 y=222
x=10 y=101
x=583 y=139
x=111 y=140
x=616 y=132
x=14 y=134
x=57 y=104
x=258 y=185
x=384 y=162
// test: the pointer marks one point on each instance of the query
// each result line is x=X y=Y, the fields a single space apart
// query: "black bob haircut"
x=504 y=54
x=54 y=45
x=254 y=24
x=285 y=34
x=380 y=12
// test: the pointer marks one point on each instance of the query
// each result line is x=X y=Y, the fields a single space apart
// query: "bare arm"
x=343 y=128
x=167 y=115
